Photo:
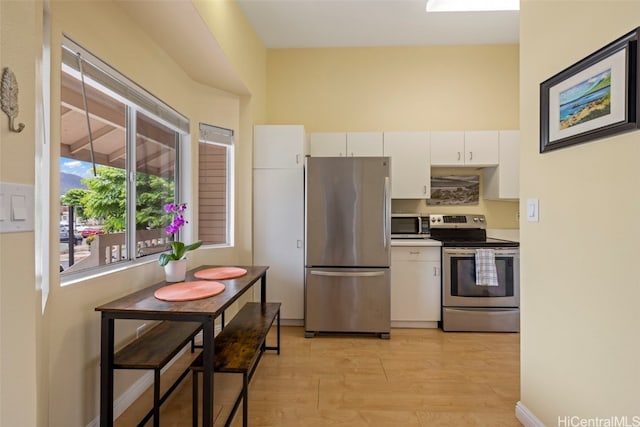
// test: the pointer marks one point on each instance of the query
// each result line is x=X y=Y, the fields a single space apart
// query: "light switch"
x=533 y=210
x=18 y=208
x=3 y=209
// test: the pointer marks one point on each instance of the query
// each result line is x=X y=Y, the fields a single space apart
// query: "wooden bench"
x=153 y=350
x=238 y=348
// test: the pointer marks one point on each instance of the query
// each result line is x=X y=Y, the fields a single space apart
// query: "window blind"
x=215 y=148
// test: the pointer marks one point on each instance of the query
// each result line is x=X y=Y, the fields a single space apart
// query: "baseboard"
x=292 y=322
x=134 y=392
x=526 y=417
x=413 y=324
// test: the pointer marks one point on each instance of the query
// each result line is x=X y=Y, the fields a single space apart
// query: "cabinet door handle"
x=470 y=155
x=459 y=156
x=299 y=244
x=424 y=189
x=297 y=159
x=414 y=253
x=435 y=271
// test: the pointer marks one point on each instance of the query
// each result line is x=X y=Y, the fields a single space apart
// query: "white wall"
x=580 y=284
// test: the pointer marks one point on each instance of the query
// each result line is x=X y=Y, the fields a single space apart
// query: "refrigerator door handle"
x=347 y=273
x=385 y=214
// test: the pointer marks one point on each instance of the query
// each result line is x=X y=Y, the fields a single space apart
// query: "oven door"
x=459 y=287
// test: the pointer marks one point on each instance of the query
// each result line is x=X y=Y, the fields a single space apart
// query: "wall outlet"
x=141 y=330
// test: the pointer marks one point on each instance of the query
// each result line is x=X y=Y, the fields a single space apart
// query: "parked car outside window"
x=64 y=238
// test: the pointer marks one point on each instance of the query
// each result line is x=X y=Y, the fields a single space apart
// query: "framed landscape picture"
x=452 y=190
x=594 y=98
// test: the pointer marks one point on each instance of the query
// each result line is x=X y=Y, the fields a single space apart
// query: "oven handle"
x=472 y=251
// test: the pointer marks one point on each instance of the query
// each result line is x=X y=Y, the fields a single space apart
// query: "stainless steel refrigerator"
x=348 y=245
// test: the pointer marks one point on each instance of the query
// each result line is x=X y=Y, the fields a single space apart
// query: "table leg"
x=106 y=372
x=263 y=288
x=207 y=374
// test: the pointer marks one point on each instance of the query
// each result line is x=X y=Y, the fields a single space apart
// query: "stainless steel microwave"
x=409 y=226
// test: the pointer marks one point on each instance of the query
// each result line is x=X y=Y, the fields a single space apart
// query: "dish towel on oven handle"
x=486 y=272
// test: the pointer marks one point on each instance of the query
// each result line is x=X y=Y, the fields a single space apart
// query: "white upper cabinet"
x=410 y=164
x=503 y=181
x=470 y=148
x=481 y=148
x=338 y=144
x=447 y=148
x=364 y=144
x=279 y=146
x=328 y=144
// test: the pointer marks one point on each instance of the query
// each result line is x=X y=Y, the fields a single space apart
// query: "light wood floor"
x=420 y=377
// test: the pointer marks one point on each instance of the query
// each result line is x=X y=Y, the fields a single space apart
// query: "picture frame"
x=594 y=98
x=454 y=190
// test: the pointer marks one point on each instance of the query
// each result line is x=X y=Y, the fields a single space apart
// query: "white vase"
x=176 y=271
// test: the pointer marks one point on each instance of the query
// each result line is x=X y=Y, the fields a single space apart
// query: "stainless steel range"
x=480 y=276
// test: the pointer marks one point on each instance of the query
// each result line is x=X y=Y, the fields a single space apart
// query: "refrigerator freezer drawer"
x=353 y=300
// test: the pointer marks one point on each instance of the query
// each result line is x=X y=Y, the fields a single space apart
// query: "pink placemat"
x=188 y=291
x=220 y=273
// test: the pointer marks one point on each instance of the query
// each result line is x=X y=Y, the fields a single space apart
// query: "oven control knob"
x=475 y=219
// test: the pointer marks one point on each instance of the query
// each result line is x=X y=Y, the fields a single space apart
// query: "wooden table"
x=143 y=305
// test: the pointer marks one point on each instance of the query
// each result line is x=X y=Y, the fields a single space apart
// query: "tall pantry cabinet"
x=278 y=213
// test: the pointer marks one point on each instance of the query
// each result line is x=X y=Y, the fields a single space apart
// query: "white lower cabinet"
x=415 y=286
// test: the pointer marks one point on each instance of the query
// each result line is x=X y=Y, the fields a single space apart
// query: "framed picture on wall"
x=452 y=190
x=594 y=98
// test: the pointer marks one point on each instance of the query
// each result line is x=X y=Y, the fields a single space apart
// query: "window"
x=215 y=223
x=119 y=165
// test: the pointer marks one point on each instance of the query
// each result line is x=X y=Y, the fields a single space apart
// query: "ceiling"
x=313 y=23
x=360 y=23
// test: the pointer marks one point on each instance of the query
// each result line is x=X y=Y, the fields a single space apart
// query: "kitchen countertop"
x=415 y=242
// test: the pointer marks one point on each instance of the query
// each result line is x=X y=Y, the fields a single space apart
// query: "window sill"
x=94 y=273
